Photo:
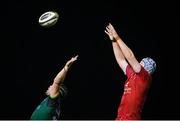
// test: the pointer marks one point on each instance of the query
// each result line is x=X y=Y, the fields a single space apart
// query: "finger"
x=76 y=57
x=107 y=28
x=110 y=29
x=111 y=26
x=106 y=32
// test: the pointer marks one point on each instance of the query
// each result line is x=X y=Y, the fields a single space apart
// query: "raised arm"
x=127 y=52
x=117 y=51
x=53 y=90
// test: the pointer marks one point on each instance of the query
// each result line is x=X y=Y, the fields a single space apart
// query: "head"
x=149 y=65
x=63 y=91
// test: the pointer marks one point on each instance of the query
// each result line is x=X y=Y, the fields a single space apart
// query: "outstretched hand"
x=53 y=90
x=111 y=32
x=71 y=61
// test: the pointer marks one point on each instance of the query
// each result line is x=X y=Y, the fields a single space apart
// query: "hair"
x=149 y=65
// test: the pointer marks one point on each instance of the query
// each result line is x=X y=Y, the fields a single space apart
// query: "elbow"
x=56 y=79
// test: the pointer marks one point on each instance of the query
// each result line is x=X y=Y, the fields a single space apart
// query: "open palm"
x=71 y=61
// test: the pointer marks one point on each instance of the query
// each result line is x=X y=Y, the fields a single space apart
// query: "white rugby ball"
x=48 y=19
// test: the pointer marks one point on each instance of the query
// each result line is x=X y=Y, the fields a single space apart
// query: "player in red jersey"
x=138 y=77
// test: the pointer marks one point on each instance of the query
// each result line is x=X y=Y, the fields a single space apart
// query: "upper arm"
x=136 y=66
x=53 y=90
x=119 y=57
x=123 y=64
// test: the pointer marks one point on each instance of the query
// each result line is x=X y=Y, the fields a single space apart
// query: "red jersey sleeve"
x=129 y=71
x=143 y=73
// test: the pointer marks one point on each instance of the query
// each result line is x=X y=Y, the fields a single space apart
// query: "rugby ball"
x=48 y=19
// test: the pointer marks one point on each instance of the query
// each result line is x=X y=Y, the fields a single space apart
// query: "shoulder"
x=144 y=74
x=129 y=70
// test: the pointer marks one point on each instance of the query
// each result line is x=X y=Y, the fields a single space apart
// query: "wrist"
x=114 y=40
x=117 y=38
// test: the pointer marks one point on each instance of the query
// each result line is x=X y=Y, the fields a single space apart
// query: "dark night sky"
x=32 y=56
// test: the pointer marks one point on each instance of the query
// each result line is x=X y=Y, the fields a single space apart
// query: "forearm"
x=53 y=90
x=127 y=52
x=61 y=76
x=119 y=56
x=117 y=52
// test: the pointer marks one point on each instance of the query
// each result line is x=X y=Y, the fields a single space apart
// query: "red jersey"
x=135 y=91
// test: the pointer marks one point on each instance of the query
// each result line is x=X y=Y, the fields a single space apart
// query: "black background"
x=31 y=56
